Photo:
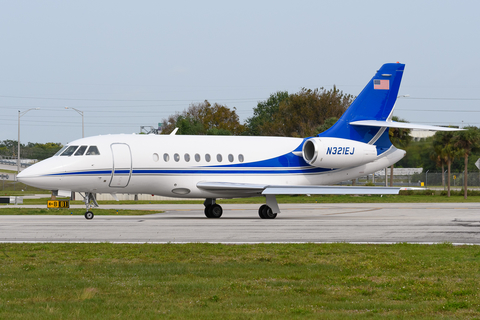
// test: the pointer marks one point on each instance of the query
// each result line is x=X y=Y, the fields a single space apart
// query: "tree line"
x=39 y=151
x=300 y=114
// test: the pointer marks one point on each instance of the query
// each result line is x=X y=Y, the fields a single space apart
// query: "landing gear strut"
x=212 y=210
x=90 y=202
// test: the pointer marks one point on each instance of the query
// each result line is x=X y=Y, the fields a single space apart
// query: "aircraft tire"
x=89 y=215
x=214 y=211
x=207 y=211
x=261 y=211
x=265 y=212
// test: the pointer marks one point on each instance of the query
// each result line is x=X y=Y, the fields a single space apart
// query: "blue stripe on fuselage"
x=197 y=171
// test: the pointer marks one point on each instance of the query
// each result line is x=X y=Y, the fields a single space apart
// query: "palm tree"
x=443 y=143
x=467 y=141
x=400 y=138
x=437 y=156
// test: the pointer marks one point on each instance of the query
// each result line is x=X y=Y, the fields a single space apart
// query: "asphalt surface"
x=457 y=223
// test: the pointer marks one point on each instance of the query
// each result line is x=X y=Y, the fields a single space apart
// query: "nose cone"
x=38 y=175
x=31 y=175
x=39 y=169
x=25 y=174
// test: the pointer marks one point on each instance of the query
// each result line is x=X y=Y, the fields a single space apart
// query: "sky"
x=127 y=64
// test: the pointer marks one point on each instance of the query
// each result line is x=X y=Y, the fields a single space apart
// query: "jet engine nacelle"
x=337 y=153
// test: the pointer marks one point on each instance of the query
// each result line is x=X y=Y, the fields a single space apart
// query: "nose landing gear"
x=90 y=202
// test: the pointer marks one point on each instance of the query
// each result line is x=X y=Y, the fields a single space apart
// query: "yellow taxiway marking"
x=372 y=209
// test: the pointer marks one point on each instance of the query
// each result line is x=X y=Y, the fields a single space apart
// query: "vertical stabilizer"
x=375 y=102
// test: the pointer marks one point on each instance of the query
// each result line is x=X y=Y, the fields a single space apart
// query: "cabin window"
x=81 y=151
x=219 y=157
x=240 y=158
x=197 y=157
x=207 y=157
x=166 y=157
x=92 y=151
x=155 y=157
x=69 y=151
x=60 y=151
x=186 y=157
x=176 y=157
x=230 y=157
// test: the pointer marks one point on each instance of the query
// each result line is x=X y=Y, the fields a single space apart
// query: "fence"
x=429 y=180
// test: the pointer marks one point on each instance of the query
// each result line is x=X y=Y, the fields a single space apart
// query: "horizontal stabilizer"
x=401 y=125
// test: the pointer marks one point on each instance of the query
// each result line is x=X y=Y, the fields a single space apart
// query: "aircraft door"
x=122 y=165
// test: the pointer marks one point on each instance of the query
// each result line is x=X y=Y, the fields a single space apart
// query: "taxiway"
x=457 y=223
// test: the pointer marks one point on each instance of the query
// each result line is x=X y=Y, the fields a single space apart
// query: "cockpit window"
x=81 y=151
x=69 y=151
x=60 y=151
x=92 y=151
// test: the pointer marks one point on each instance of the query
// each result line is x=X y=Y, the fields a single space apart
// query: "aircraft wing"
x=247 y=188
x=402 y=125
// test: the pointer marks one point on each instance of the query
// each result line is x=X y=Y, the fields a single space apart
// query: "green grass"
x=71 y=211
x=8 y=171
x=208 y=281
x=13 y=188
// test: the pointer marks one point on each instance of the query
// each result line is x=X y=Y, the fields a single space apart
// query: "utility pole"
x=21 y=114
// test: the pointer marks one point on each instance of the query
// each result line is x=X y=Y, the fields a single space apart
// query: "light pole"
x=386 y=172
x=80 y=113
x=20 y=114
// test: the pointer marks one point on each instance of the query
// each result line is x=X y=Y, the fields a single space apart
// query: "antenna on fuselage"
x=174 y=132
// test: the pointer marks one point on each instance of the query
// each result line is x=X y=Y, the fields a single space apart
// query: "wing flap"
x=329 y=190
x=230 y=186
x=284 y=189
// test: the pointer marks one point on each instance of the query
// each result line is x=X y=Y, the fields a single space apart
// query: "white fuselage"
x=173 y=165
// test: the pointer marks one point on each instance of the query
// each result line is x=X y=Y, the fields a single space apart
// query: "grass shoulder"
x=8 y=171
x=205 y=281
x=11 y=210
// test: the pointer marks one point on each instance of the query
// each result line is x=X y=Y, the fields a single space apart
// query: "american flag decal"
x=381 y=84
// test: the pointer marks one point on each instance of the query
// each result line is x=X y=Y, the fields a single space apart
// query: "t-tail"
x=369 y=117
x=375 y=102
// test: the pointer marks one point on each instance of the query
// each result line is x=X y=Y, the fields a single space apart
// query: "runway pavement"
x=457 y=223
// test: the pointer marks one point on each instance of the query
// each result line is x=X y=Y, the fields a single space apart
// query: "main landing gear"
x=212 y=210
x=266 y=211
x=90 y=202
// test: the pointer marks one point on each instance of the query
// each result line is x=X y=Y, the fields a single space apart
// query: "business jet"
x=214 y=167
